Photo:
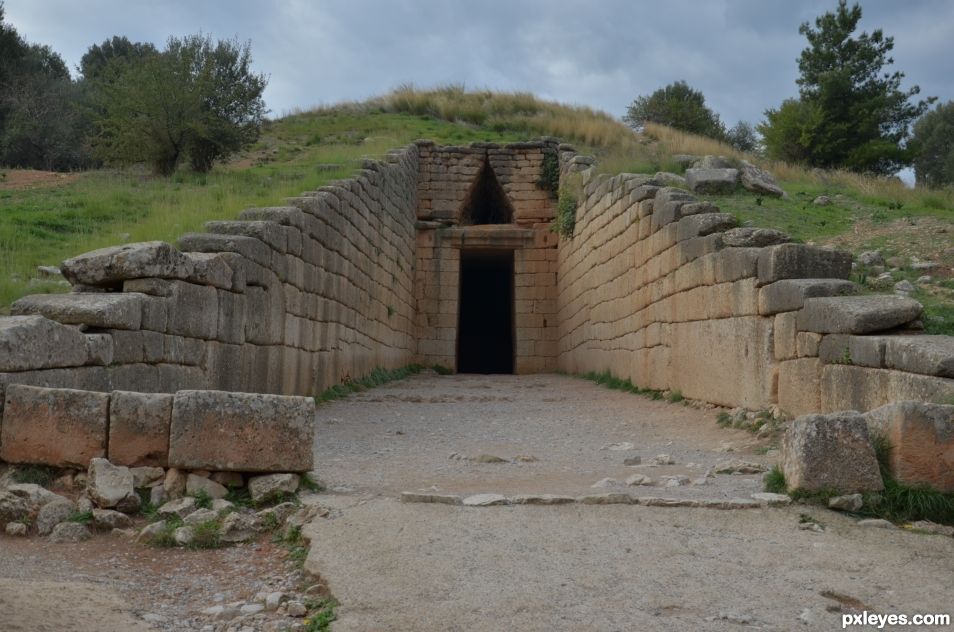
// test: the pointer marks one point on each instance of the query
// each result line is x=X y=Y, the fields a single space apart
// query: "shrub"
x=678 y=106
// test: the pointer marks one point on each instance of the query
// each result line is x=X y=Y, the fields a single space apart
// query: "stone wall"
x=663 y=289
x=289 y=299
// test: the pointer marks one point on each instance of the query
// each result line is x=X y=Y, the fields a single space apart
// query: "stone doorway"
x=485 y=334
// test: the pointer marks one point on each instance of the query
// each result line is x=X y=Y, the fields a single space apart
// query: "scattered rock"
x=759 y=181
x=633 y=460
x=181 y=507
x=228 y=479
x=822 y=200
x=296 y=609
x=904 y=287
x=830 y=452
x=183 y=536
x=923 y=265
x=849 y=502
x=933 y=527
x=220 y=505
x=273 y=600
x=251 y=608
x=623 y=445
x=108 y=484
x=525 y=458
x=157 y=495
x=69 y=532
x=675 y=481
x=871 y=258
x=263 y=488
x=877 y=523
x=199 y=516
x=739 y=467
x=34 y=494
x=52 y=514
x=130 y=504
x=490 y=458
x=12 y=507
x=639 y=479
x=175 y=483
x=151 y=531
x=16 y=529
x=125 y=533
x=662 y=459
x=238 y=527
x=811 y=526
x=927 y=278
x=772 y=500
x=278 y=514
x=712 y=181
x=146 y=476
x=485 y=500
x=84 y=504
x=605 y=482
x=64 y=482
x=198 y=484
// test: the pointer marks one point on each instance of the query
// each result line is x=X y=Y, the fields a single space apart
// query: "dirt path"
x=416 y=566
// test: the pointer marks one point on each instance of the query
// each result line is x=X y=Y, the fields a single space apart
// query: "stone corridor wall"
x=663 y=289
x=285 y=300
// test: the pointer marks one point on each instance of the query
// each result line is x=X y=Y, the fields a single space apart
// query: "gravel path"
x=417 y=566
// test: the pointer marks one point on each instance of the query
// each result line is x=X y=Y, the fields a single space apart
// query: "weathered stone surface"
x=239 y=527
x=175 y=483
x=856 y=314
x=34 y=494
x=789 y=295
x=667 y=179
x=848 y=502
x=229 y=479
x=830 y=452
x=617 y=498
x=749 y=237
x=875 y=523
x=181 y=507
x=146 y=476
x=541 y=499
x=241 y=432
x=705 y=224
x=846 y=387
x=13 y=507
x=69 y=532
x=772 y=500
x=60 y=427
x=35 y=342
x=928 y=355
x=198 y=484
x=263 y=488
x=52 y=514
x=108 y=484
x=191 y=310
x=712 y=181
x=854 y=350
x=759 y=181
x=151 y=531
x=105 y=310
x=268 y=233
x=139 y=428
x=485 y=500
x=108 y=267
x=200 y=515
x=16 y=529
x=427 y=497
x=249 y=247
x=108 y=519
x=714 y=162
x=276 y=515
x=921 y=436
x=210 y=269
x=183 y=536
x=799 y=386
x=798 y=261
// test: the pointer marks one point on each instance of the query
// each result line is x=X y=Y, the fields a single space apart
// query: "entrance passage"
x=485 y=324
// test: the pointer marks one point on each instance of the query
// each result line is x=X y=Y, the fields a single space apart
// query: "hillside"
x=48 y=217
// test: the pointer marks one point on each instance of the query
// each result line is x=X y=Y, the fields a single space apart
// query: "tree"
x=743 y=137
x=933 y=143
x=678 y=106
x=850 y=114
x=98 y=57
x=194 y=99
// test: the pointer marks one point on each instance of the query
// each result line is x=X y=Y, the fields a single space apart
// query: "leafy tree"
x=933 y=142
x=743 y=137
x=678 y=106
x=851 y=115
x=194 y=99
x=98 y=57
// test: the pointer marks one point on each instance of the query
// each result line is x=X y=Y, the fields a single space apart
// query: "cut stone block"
x=249 y=247
x=713 y=181
x=705 y=224
x=830 y=452
x=857 y=314
x=210 y=269
x=749 y=237
x=268 y=233
x=799 y=386
x=109 y=267
x=139 y=428
x=860 y=388
x=788 y=295
x=798 y=261
x=95 y=309
x=759 y=181
x=928 y=355
x=50 y=426
x=854 y=350
x=921 y=436
x=35 y=342
x=241 y=432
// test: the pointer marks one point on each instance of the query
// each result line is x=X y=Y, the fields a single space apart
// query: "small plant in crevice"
x=390 y=311
x=377 y=377
x=549 y=174
x=775 y=480
x=440 y=369
x=81 y=517
x=41 y=475
x=310 y=484
x=207 y=535
x=674 y=397
x=321 y=614
x=203 y=500
x=565 y=221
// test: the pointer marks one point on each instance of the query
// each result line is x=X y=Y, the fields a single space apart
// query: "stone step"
x=857 y=314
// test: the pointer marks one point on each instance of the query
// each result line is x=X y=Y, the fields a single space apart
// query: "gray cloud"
x=740 y=53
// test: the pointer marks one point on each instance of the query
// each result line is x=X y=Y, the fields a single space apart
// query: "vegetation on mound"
x=377 y=377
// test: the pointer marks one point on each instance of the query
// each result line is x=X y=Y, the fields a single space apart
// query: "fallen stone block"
x=798 y=261
x=139 y=428
x=60 y=427
x=788 y=295
x=35 y=342
x=921 y=436
x=712 y=181
x=856 y=314
x=830 y=452
x=705 y=224
x=242 y=432
x=749 y=237
x=927 y=355
x=107 y=484
x=104 y=310
x=109 y=267
x=759 y=181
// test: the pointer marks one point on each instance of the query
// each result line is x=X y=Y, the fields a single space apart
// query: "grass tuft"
x=377 y=377
x=775 y=480
x=41 y=475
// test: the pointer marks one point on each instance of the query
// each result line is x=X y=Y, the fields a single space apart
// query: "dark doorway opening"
x=485 y=321
x=486 y=202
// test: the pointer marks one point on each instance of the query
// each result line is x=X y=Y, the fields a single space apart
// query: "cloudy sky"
x=602 y=53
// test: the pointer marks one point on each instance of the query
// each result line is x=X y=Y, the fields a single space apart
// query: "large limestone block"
x=750 y=237
x=111 y=266
x=798 y=261
x=94 y=309
x=788 y=295
x=921 y=436
x=248 y=247
x=60 y=427
x=712 y=181
x=830 y=452
x=928 y=355
x=268 y=233
x=35 y=342
x=210 y=269
x=856 y=314
x=705 y=224
x=799 y=386
x=139 y=428
x=759 y=181
x=847 y=387
x=854 y=350
x=191 y=310
x=242 y=432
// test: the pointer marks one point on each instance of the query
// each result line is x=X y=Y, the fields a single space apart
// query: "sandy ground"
x=401 y=566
